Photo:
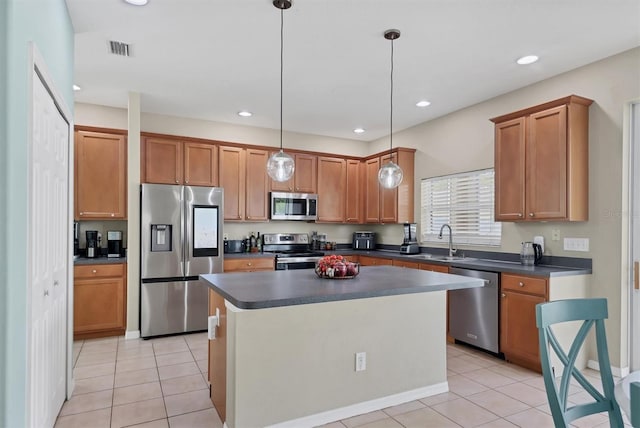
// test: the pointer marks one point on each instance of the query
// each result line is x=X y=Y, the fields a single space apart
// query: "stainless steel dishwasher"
x=473 y=312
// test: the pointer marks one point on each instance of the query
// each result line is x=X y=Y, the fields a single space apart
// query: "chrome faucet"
x=451 y=250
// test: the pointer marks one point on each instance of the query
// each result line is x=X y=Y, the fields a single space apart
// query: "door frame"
x=631 y=129
x=37 y=66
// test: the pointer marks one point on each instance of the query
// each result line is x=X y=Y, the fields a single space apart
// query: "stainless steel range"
x=292 y=250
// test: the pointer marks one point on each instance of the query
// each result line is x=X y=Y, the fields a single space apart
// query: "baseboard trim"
x=364 y=407
x=133 y=334
x=616 y=371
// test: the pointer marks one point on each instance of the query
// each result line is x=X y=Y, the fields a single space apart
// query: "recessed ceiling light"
x=423 y=103
x=137 y=2
x=529 y=59
x=76 y=88
x=358 y=130
x=245 y=113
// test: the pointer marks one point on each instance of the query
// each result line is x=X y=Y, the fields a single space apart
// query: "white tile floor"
x=162 y=383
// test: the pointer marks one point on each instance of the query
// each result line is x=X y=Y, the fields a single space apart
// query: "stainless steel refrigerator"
x=181 y=238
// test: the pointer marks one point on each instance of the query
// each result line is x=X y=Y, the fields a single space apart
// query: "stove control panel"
x=285 y=238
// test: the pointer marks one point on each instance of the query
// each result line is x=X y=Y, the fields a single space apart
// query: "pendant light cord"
x=391 y=110
x=281 y=68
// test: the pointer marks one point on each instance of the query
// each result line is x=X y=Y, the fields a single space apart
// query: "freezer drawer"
x=173 y=307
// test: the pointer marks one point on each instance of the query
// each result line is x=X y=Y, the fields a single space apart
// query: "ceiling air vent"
x=119 y=48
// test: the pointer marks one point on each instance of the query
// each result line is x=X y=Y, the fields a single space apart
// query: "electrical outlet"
x=361 y=361
x=555 y=234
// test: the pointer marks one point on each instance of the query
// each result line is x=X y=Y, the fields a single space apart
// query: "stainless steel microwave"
x=293 y=206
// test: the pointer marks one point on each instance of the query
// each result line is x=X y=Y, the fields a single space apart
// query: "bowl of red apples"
x=336 y=267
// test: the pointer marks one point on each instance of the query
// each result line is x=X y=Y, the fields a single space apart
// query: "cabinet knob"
x=186 y=181
x=504 y=295
x=113 y=215
x=94 y=271
x=248 y=218
x=521 y=284
x=530 y=214
x=81 y=213
x=177 y=181
x=520 y=215
x=249 y=264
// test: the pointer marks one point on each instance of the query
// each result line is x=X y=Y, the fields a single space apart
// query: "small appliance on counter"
x=93 y=245
x=410 y=242
x=234 y=246
x=530 y=253
x=76 y=240
x=318 y=240
x=364 y=240
x=114 y=243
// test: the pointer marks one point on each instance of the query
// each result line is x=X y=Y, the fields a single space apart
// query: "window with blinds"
x=464 y=201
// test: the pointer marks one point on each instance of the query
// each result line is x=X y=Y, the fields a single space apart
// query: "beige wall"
x=611 y=83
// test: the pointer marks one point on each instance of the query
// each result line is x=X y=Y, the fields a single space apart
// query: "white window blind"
x=464 y=201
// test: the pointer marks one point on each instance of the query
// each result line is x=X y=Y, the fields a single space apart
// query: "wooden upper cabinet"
x=161 y=161
x=232 y=166
x=100 y=175
x=172 y=161
x=332 y=195
x=542 y=162
x=200 y=164
x=509 y=169
x=257 y=185
x=371 y=191
x=390 y=205
x=353 y=203
x=304 y=178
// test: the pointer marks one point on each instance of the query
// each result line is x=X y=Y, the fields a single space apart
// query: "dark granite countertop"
x=258 y=290
x=102 y=260
x=553 y=266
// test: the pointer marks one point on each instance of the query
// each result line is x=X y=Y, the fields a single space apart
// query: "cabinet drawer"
x=244 y=265
x=97 y=271
x=525 y=284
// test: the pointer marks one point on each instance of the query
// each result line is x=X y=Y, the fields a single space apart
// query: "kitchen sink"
x=427 y=256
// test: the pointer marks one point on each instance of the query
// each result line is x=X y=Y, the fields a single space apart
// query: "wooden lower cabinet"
x=99 y=300
x=406 y=264
x=518 y=332
x=434 y=268
x=249 y=264
x=218 y=356
x=375 y=261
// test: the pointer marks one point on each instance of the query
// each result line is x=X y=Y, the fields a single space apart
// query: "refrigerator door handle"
x=183 y=234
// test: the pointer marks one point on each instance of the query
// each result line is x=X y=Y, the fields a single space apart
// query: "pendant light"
x=390 y=175
x=280 y=165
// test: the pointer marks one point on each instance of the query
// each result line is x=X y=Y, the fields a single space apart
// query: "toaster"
x=234 y=246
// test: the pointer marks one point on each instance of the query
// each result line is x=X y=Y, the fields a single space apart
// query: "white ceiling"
x=209 y=59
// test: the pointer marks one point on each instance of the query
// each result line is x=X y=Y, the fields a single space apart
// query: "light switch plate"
x=576 y=244
x=555 y=234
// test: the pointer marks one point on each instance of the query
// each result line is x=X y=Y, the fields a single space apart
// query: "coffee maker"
x=114 y=243
x=410 y=242
x=93 y=245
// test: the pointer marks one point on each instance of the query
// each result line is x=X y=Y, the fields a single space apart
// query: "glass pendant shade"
x=390 y=175
x=280 y=166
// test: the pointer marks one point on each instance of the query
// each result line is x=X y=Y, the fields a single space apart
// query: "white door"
x=48 y=257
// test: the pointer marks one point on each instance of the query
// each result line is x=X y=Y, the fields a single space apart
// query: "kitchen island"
x=286 y=345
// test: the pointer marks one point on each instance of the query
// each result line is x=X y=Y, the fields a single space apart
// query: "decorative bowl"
x=336 y=267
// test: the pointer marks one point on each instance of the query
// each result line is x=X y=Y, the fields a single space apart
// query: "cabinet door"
x=406 y=264
x=252 y=264
x=388 y=197
x=232 y=178
x=98 y=304
x=353 y=203
x=371 y=191
x=518 y=331
x=162 y=161
x=434 y=268
x=332 y=180
x=547 y=164
x=218 y=356
x=100 y=175
x=375 y=261
x=510 y=170
x=257 y=185
x=306 y=173
x=200 y=164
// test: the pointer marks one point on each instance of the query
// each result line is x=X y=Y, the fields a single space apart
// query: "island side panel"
x=218 y=356
x=297 y=361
